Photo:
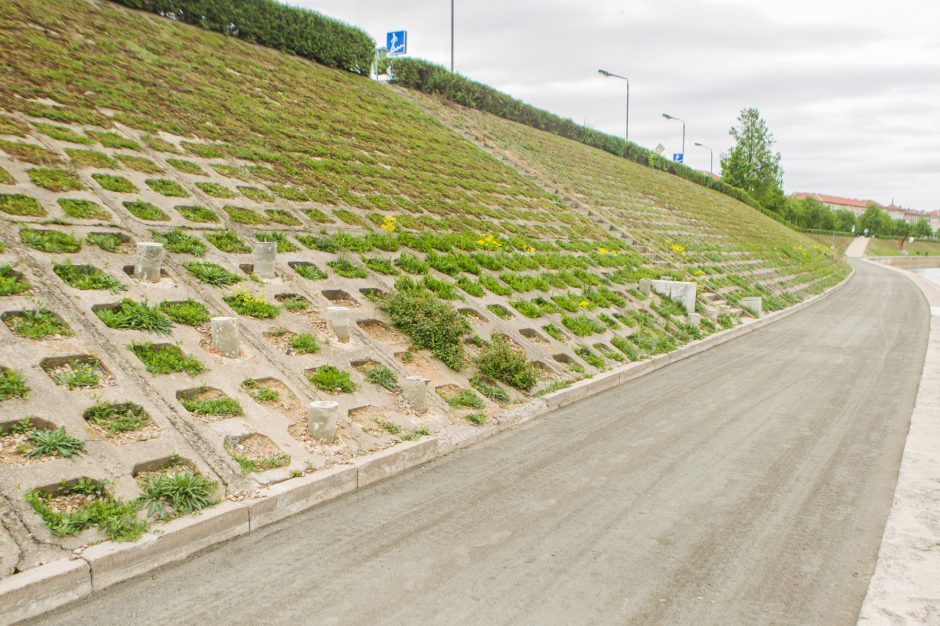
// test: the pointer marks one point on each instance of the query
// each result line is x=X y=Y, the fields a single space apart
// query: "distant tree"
x=922 y=228
x=844 y=220
x=876 y=220
x=752 y=164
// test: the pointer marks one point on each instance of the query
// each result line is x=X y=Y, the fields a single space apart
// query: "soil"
x=107 y=380
x=149 y=430
x=176 y=468
x=10 y=443
x=381 y=331
x=256 y=447
x=447 y=391
x=71 y=503
x=420 y=365
x=287 y=404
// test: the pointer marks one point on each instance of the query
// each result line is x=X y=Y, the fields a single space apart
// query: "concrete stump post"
x=338 y=317
x=265 y=255
x=754 y=303
x=695 y=319
x=149 y=261
x=225 y=336
x=415 y=391
x=645 y=285
x=321 y=420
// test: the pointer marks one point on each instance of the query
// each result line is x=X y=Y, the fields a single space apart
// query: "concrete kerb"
x=905 y=586
x=53 y=585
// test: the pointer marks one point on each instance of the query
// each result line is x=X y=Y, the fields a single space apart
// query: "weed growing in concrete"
x=251 y=465
x=165 y=359
x=133 y=315
x=260 y=392
x=106 y=241
x=52 y=241
x=309 y=271
x=115 y=518
x=317 y=216
x=6 y=178
x=430 y=323
x=37 y=324
x=80 y=209
x=177 y=240
x=21 y=205
x=61 y=133
x=411 y=264
x=416 y=434
x=139 y=163
x=589 y=357
x=476 y=418
x=167 y=495
x=167 y=187
x=383 y=377
x=187 y=167
x=499 y=311
x=489 y=389
x=53 y=442
x=582 y=325
x=86 y=277
x=198 y=214
x=295 y=303
x=29 y=153
x=114 y=140
x=11 y=284
x=282 y=217
x=380 y=265
x=241 y=215
x=465 y=398
x=216 y=191
x=118 y=184
x=283 y=243
x=188 y=312
x=116 y=417
x=54 y=179
x=228 y=241
x=256 y=194
x=212 y=274
x=304 y=343
x=12 y=384
x=213 y=406
x=346 y=269
x=146 y=211
x=333 y=379
x=389 y=427
x=80 y=374
x=91 y=158
x=500 y=362
x=246 y=304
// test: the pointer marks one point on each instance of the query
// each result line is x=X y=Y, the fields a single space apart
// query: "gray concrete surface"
x=748 y=484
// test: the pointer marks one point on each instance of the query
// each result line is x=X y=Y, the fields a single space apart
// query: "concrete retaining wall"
x=907 y=262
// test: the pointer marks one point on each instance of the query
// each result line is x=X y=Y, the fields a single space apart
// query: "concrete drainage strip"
x=46 y=587
x=905 y=588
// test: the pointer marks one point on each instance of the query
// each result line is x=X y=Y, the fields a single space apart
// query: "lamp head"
x=604 y=73
x=667 y=116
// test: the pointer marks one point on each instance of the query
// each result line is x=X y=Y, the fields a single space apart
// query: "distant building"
x=837 y=203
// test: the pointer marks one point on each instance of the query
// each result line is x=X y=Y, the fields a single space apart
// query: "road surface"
x=749 y=484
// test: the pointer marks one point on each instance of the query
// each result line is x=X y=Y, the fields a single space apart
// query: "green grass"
x=11 y=284
x=381 y=266
x=115 y=518
x=21 y=205
x=198 y=214
x=61 y=133
x=133 y=315
x=188 y=312
x=168 y=495
x=244 y=303
x=178 y=241
x=476 y=418
x=347 y=269
x=282 y=217
x=259 y=392
x=29 y=153
x=187 y=167
x=582 y=325
x=242 y=215
x=500 y=311
x=54 y=179
x=411 y=264
x=489 y=389
x=37 y=324
x=228 y=407
x=216 y=190
x=304 y=343
x=53 y=442
x=317 y=216
x=109 y=242
x=165 y=359
x=295 y=303
x=83 y=209
x=80 y=374
x=228 y=241
x=113 y=140
x=383 y=377
x=464 y=398
x=251 y=465
x=139 y=163
x=91 y=158
x=309 y=271
x=86 y=277
x=12 y=384
x=212 y=274
x=256 y=194
x=589 y=357
x=114 y=183
x=146 y=211
x=117 y=417
x=283 y=243
x=52 y=241
x=167 y=187
x=332 y=379
x=500 y=362
x=6 y=178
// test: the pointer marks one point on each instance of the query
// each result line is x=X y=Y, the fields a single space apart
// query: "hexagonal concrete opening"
x=175 y=463
x=293 y=301
x=468 y=312
x=339 y=297
x=120 y=422
x=563 y=358
x=255 y=452
x=129 y=270
x=209 y=404
x=271 y=392
x=124 y=241
x=378 y=329
x=248 y=268
x=77 y=371
x=372 y=293
x=533 y=335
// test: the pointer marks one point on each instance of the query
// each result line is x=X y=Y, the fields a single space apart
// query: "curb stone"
x=108 y=563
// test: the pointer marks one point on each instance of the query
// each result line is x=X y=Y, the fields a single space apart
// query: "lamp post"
x=607 y=74
x=671 y=117
x=710 y=157
x=451 y=36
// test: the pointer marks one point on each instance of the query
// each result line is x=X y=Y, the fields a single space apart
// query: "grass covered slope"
x=720 y=242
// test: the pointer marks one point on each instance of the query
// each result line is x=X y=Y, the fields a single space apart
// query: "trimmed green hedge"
x=298 y=31
x=434 y=79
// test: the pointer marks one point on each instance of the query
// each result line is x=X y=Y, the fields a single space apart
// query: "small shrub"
x=212 y=274
x=188 y=312
x=304 y=343
x=187 y=167
x=167 y=495
x=86 y=277
x=167 y=187
x=346 y=269
x=21 y=205
x=177 y=240
x=383 y=377
x=12 y=384
x=430 y=323
x=10 y=283
x=116 y=417
x=118 y=184
x=53 y=442
x=476 y=418
x=500 y=362
x=133 y=315
x=228 y=241
x=215 y=190
x=333 y=379
x=465 y=398
x=489 y=390
x=165 y=359
x=54 y=179
x=83 y=209
x=246 y=304
x=198 y=214
x=108 y=242
x=146 y=211
x=37 y=324
x=309 y=271
x=242 y=215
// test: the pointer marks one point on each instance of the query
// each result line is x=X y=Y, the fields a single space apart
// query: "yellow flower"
x=530 y=250
x=490 y=242
x=584 y=304
x=602 y=250
x=677 y=248
x=389 y=224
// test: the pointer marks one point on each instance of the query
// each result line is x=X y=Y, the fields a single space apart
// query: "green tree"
x=752 y=164
x=876 y=220
x=922 y=228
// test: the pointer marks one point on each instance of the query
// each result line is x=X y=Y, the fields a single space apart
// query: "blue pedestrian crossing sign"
x=396 y=43
x=677 y=157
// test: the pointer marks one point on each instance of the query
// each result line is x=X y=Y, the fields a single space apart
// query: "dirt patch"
x=545 y=372
x=286 y=403
x=70 y=503
x=447 y=391
x=381 y=331
x=256 y=447
x=338 y=297
x=513 y=344
x=61 y=368
x=419 y=364
x=533 y=336
x=10 y=443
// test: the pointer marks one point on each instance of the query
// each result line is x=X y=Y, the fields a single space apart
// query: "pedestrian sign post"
x=397 y=43
x=677 y=157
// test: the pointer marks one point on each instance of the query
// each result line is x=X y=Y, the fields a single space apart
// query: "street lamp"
x=710 y=156
x=607 y=74
x=670 y=117
x=452 y=36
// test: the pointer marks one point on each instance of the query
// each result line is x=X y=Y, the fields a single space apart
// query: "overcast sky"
x=851 y=90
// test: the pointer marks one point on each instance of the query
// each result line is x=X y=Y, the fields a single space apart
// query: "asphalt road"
x=749 y=484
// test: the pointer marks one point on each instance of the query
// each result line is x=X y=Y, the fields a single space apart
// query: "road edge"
x=905 y=586
x=52 y=585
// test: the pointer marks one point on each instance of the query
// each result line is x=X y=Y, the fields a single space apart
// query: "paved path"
x=856 y=249
x=749 y=484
